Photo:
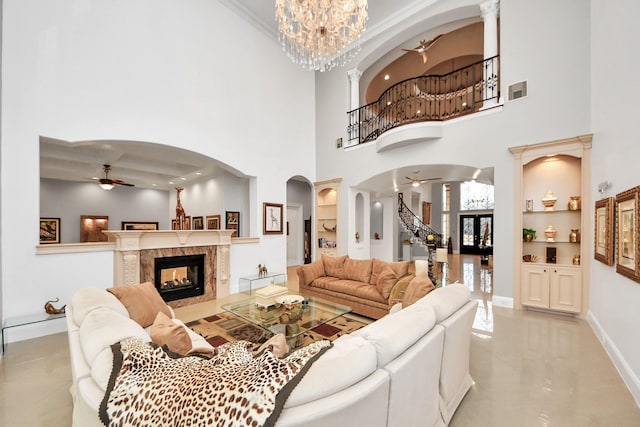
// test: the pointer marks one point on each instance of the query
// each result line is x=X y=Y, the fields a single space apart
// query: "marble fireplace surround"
x=135 y=251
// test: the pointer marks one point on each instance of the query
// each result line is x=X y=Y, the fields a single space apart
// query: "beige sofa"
x=370 y=286
x=410 y=368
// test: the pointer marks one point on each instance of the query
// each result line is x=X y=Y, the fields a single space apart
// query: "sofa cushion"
x=419 y=286
x=103 y=327
x=356 y=269
x=143 y=302
x=401 y=268
x=349 y=287
x=165 y=332
x=333 y=265
x=394 y=333
x=398 y=290
x=312 y=271
x=87 y=299
x=421 y=266
x=386 y=279
x=446 y=300
x=348 y=361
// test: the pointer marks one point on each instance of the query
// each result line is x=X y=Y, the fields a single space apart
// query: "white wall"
x=615 y=92
x=554 y=61
x=69 y=200
x=151 y=70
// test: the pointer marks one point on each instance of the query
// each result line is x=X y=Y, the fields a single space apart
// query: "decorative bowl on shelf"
x=549 y=200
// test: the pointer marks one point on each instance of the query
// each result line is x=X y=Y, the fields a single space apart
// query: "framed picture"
x=198 y=223
x=213 y=222
x=627 y=234
x=49 y=230
x=139 y=225
x=271 y=218
x=186 y=224
x=91 y=227
x=232 y=222
x=603 y=239
x=174 y=224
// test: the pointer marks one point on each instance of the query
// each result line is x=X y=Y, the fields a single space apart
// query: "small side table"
x=13 y=322
x=249 y=283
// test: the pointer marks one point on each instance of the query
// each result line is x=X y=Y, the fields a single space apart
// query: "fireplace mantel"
x=129 y=243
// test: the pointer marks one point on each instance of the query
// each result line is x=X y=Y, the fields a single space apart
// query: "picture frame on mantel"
x=49 y=230
x=198 y=223
x=272 y=218
x=232 y=222
x=627 y=229
x=213 y=222
x=139 y=225
x=604 y=236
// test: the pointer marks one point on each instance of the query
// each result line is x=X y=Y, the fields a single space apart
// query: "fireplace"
x=178 y=277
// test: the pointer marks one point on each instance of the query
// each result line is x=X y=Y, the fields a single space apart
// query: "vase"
x=574 y=235
x=576 y=259
x=574 y=203
x=550 y=232
x=549 y=200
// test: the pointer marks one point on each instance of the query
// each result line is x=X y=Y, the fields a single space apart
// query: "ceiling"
x=149 y=165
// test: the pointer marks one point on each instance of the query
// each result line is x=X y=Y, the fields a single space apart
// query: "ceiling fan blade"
x=409 y=50
x=120 y=182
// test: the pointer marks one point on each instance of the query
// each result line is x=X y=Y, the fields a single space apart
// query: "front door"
x=476 y=234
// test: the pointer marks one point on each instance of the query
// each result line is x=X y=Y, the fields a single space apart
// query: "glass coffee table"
x=292 y=320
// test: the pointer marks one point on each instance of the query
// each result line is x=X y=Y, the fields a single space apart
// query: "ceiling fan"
x=423 y=47
x=107 y=183
x=415 y=182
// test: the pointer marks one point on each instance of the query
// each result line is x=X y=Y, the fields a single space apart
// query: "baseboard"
x=499 y=301
x=628 y=376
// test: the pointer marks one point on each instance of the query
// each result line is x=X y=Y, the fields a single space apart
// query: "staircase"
x=420 y=232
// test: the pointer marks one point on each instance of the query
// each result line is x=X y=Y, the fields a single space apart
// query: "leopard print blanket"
x=151 y=387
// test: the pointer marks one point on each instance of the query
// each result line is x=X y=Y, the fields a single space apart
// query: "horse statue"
x=262 y=270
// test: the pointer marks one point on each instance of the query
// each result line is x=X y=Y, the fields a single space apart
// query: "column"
x=354 y=119
x=489 y=12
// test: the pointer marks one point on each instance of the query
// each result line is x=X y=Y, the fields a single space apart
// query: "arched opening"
x=298 y=221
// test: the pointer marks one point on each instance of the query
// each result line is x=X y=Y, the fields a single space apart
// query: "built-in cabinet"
x=327 y=193
x=551 y=270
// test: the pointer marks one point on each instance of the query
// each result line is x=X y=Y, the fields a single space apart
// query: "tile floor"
x=530 y=369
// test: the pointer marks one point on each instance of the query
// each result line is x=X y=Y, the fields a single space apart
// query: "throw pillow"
x=333 y=265
x=165 y=332
x=401 y=268
x=356 y=269
x=399 y=289
x=419 y=286
x=386 y=279
x=312 y=271
x=143 y=302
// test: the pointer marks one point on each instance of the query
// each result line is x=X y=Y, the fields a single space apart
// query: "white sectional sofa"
x=409 y=368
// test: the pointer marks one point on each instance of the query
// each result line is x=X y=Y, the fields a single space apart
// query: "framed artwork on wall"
x=91 y=227
x=198 y=223
x=627 y=234
x=49 y=230
x=213 y=222
x=139 y=225
x=271 y=218
x=232 y=222
x=603 y=238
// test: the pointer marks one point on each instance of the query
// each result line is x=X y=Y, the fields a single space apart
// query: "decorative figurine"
x=50 y=309
x=262 y=270
x=180 y=215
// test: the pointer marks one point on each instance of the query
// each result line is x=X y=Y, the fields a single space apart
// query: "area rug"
x=226 y=327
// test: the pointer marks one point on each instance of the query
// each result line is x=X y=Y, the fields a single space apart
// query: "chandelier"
x=313 y=33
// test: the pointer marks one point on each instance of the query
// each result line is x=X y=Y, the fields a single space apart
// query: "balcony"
x=427 y=98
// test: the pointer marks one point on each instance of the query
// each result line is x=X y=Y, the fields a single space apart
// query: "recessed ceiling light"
x=183 y=178
x=153 y=185
x=171 y=182
x=198 y=173
x=386 y=76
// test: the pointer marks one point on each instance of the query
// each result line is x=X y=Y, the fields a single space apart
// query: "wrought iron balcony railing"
x=427 y=98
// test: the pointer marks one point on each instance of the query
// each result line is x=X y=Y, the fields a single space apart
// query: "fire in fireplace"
x=180 y=277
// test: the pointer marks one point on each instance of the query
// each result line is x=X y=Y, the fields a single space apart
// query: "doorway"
x=294 y=230
x=476 y=234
